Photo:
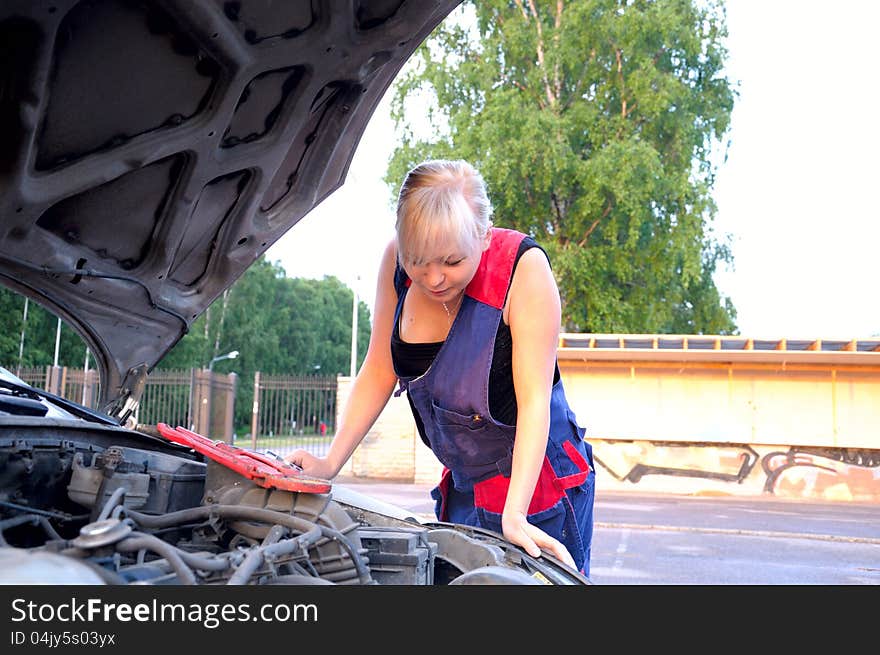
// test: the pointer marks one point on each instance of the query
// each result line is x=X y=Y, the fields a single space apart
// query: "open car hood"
x=150 y=152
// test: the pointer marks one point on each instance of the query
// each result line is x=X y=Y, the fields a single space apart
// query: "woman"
x=467 y=321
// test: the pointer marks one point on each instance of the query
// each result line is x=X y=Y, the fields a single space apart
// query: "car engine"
x=101 y=508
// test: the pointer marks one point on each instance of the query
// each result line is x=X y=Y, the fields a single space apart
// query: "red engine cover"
x=266 y=472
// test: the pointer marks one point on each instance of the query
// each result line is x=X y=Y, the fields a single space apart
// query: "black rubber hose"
x=299 y=580
x=134 y=543
x=258 y=554
x=251 y=514
x=33 y=519
x=195 y=561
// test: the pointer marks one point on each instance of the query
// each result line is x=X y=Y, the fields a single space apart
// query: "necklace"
x=454 y=309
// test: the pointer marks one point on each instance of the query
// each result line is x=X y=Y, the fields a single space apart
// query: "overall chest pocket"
x=467 y=442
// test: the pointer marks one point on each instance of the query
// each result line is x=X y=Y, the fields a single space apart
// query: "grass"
x=306 y=440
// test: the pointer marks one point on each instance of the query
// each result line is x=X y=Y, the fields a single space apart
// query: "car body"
x=151 y=152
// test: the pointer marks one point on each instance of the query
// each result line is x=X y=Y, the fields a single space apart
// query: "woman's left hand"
x=518 y=530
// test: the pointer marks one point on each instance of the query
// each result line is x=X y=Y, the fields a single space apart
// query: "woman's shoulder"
x=530 y=245
x=390 y=252
x=391 y=266
x=516 y=244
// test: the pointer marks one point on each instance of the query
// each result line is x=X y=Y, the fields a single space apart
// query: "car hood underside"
x=150 y=152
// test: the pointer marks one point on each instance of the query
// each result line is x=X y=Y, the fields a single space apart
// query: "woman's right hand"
x=317 y=467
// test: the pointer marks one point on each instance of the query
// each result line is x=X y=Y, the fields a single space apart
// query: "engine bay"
x=102 y=509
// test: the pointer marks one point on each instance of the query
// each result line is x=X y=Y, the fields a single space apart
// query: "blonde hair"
x=441 y=201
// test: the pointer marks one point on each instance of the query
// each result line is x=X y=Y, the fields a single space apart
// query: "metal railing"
x=75 y=384
x=293 y=411
x=289 y=412
x=168 y=398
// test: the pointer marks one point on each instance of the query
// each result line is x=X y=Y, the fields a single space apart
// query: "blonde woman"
x=467 y=320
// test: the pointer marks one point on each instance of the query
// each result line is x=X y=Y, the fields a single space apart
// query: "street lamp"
x=229 y=355
x=208 y=400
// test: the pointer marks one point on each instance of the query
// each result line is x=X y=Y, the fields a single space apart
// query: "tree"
x=39 y=336
x=596 y=125
x=279 y=325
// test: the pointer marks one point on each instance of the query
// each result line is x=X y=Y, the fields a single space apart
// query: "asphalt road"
x=667 y=540
x=661 y=539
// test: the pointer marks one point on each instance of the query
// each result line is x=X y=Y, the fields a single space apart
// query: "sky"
x=797 y=193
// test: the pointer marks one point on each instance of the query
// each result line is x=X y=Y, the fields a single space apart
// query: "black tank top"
x=413 y=359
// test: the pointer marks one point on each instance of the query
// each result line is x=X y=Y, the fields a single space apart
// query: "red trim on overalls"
x=491 y=494
x=445 y=479
x=492 y=279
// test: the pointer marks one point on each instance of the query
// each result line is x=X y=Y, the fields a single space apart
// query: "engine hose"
x=197 y=562
x=360 y=564
x=342 y=577
x=33 y=519
x=299 y=568
x=258 y=554
x=276 y=534
x=108 y=576
x=251 y=514
x=325 y=569
x=132 y=544
x=115 y=499
x=61 y=516
x=299 y=580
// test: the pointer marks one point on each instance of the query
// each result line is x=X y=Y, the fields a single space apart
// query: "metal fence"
x=74 y=384
x=289 y=411
x=82 y=387
x=167 y=398
x=36 y=376
x=293 y=411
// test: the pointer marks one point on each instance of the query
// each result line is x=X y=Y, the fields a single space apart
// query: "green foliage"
x=278 y=325
x=40 y=332
x=293 y=326
x=595 y=124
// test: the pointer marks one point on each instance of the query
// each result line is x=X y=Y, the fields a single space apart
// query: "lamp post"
x=57 y=341
x=209 y=399
x=230 y=355
x=21 y=342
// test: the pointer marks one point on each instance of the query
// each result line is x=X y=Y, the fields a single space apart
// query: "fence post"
x=255 y=416
x=90 y=387
x=229 y=418
x=209 y=406
x=201 y=392
x=53 y=380
x=190 y=409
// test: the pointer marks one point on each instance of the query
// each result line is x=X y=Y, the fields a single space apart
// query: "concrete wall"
x=806 y=406
x=392 y=449
x=805 y=431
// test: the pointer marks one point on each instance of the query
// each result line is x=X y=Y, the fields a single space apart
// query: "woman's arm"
x=534 y=315
x=372 y=386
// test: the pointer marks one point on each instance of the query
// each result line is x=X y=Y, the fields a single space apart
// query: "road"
x=653 y=539
x=659 y=539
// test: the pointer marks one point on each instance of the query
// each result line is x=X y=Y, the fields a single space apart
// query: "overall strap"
x=492 y=279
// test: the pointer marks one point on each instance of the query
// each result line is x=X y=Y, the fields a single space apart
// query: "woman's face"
x=444 y=275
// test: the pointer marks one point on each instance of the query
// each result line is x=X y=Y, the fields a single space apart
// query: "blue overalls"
x=452 y=400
